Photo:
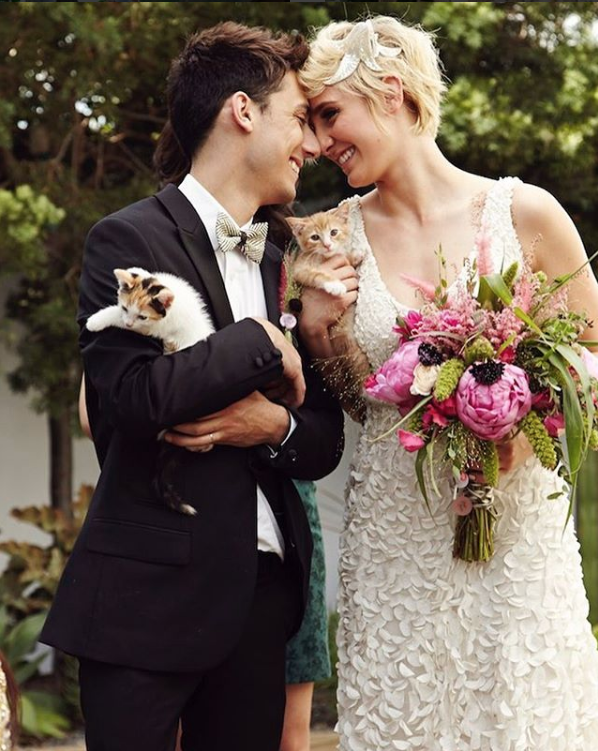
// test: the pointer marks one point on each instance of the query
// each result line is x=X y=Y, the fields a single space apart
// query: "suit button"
x=259 y=362
x=267 y=356
x=292 y=455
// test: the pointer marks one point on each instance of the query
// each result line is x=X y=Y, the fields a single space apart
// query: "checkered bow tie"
x=251 y=243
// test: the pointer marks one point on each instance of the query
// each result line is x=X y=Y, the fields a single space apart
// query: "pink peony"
x=554 y=424
x=462 y=505
x=410 y=441
x=391 y=382
x=490 y=412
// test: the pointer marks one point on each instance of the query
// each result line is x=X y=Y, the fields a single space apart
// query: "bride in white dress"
x=436 y=654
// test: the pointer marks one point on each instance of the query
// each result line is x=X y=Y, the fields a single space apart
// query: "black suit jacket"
x=145 y=586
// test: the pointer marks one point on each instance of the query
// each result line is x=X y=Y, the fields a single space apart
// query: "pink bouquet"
x=496 y=353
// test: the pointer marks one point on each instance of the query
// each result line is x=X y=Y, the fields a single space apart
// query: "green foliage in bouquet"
x=497 y=354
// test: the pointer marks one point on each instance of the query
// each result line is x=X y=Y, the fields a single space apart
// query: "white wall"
x=24 y=456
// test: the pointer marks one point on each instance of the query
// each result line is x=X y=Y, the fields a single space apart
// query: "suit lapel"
x=199 y=249
x=270 y=270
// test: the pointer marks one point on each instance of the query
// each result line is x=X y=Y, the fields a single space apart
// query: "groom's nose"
x=310 y=145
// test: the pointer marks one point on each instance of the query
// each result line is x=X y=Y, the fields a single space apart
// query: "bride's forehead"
x=331 y=96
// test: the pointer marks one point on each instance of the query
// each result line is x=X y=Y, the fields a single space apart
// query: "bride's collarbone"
x=427 y=265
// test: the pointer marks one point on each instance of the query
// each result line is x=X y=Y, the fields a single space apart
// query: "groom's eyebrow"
x=303 y=108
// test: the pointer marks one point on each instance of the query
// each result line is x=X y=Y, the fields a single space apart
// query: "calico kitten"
x=160 y=305
x=165 y=307
x=318 y=237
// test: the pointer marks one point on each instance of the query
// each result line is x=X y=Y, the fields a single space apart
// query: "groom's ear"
x=395 y=95
x=241 y=110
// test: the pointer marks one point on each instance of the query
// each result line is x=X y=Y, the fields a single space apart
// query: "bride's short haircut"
x=215 y=63
x=418 y=66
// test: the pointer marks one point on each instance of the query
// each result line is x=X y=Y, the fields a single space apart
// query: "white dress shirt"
x=245 y=290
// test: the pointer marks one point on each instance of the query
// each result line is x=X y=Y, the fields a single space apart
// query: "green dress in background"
x=308 y=658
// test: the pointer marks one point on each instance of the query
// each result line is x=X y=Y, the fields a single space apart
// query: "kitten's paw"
x=356 y=257
x=93 y=323
x=185 y=508
x=335 y=288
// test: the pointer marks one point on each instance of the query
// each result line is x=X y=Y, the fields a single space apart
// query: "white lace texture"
x=436 y=654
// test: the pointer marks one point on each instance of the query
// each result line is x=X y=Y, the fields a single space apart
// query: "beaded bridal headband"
x=360 y=46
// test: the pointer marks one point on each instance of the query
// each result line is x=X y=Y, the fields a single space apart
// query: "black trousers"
x=237 y=705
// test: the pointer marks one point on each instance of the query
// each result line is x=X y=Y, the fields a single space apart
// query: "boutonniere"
x=290 y=304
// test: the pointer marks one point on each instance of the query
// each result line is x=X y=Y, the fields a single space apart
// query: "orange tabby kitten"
x=320 y=236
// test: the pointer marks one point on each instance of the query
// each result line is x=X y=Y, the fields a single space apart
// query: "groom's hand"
x=291 y=390
x=252 y=421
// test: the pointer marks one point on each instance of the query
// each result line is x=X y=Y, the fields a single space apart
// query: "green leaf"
x=419 y=473
x=3 y=623
x=43 y=715
x=523 y=316
x=431 y=464
x=26 y=669
x=564 y=279
x=575 y=361
x=420 y=405
x=574 y=427
x=23 y=637
x=493 y=286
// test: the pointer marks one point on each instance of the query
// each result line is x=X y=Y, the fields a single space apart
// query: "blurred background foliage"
x=81 y=105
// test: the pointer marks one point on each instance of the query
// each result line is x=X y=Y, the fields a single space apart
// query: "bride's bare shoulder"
x=543 y=226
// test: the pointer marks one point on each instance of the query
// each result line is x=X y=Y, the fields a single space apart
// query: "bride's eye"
x=329 y=114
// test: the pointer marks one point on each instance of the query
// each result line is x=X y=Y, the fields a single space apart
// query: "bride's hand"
x=512 y=453
x=321 y=310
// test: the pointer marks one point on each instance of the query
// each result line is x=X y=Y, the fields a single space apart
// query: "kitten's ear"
x=166 y=297
x=297 y=224
x=342 y=212
x=125 y=279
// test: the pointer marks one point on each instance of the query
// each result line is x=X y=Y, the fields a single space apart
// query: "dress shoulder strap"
x=497 y=220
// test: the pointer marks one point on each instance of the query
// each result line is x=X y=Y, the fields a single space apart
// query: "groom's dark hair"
x=214 y=64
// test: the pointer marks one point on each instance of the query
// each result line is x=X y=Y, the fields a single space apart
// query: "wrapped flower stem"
x=476 y=516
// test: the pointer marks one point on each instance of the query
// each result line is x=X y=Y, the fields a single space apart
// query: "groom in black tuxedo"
x=177 y=617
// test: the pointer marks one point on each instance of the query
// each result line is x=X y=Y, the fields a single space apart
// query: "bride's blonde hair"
x=418 y=66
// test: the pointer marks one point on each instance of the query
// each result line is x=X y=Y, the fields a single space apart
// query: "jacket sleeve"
x=139 y=389
x=315 y=447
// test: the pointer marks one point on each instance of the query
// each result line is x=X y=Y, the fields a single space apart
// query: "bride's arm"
x=545 y=228
x=543 y=225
